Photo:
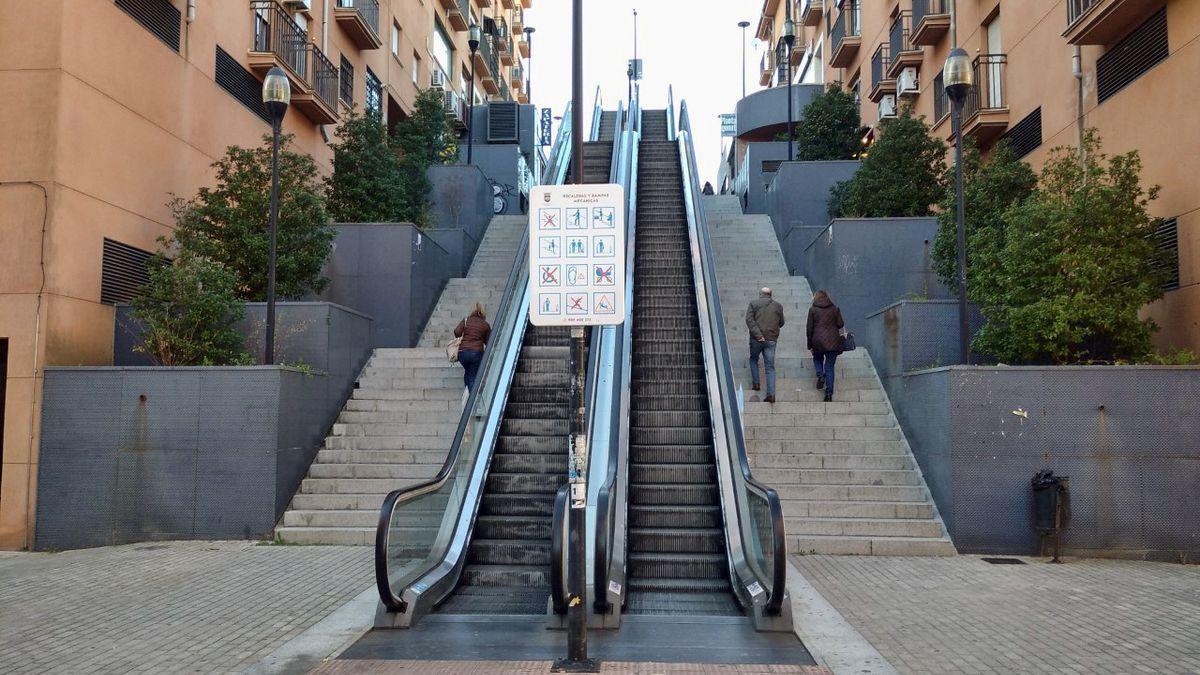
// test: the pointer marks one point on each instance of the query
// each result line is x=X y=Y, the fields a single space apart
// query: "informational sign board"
x=544 y=125
x=577 y=255
x=728 y=125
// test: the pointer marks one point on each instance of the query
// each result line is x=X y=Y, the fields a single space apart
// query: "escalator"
x=676 y=543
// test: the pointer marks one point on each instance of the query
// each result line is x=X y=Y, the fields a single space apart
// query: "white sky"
x=694 y=45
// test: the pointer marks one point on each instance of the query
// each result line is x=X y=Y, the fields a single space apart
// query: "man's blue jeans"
x=824 y=363
x=767 y=350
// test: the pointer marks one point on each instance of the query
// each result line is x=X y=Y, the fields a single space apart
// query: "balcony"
x=798 y=49
x=487 y=65
x=523 y=47
x=1102 y=22
x=845 y=36
x=516 y=75
x=518 y=21
x=527 y=3
x=904 y=54
x=280 y=41
x=810 y=12
x=458 y=14
x=504 y=46
x=484 y=3
x=766 y=68
x=930 y=20
x=781 y=65
x=881 y=83
x=985 y=112
x=508 y=4
x=360 y=20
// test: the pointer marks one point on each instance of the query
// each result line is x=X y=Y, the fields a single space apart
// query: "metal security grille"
x=1025 y=136
x=374 y=98
x=241 y=84
x=1137 y=53
x=123 y=272
x=502 y=122
x=159 y=17
x=1166 y=249
x=771 y=165
x=347 y=83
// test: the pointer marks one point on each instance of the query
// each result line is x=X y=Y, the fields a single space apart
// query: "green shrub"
x=367 y=183
x=901 y=174
x=829 y=128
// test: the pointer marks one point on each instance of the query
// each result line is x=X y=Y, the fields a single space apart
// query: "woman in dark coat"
x=825 y=339
x=474 y=331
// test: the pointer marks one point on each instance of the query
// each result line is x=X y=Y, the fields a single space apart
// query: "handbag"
x=452 y=349
x=848 y=343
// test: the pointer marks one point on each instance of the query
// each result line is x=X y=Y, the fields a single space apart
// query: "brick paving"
x=962 y=615
x=168 y=607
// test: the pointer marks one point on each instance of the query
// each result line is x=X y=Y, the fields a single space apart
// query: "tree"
x=989 y=191
x=1075 y=265
x=188 y=311
x=901 y=174
x=422 y=140
x=829 y=127
x=367 y=183
x=229 y=222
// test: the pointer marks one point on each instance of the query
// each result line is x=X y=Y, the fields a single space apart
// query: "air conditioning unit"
x=301 y=5
x=437 y=79
x=452 y=104
x=887 y=106
x=908 y=84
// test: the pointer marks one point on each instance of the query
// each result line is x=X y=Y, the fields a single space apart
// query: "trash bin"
x=1050 y=510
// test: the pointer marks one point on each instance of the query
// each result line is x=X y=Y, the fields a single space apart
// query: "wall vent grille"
x=1025 y=136
x=160 y=17
x=123 y=272
x=1130 y=58
x=502 y=122
x=1166 y=249
x=241 y=84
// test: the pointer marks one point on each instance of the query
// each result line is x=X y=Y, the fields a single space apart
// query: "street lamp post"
x=276 y=96
x=958 y=79
x=473 y=42
x=743 y=25
x=529 y=63
x=789 y=38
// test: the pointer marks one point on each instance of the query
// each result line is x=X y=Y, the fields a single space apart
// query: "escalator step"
x=671 y=436
x=670 y=418
x=520 y=576
x=474 y=598
x=533 y=444
x=508 y=552
x=521 y=427
x=692 y=402
x=679 y=495
x=513 y=527
x=676 y=540
x=678 y=566
x=547 y=395
x=672 y=474
x=529 y=463
x=524 y=483
x=534 y=411
x=517 y=504
x=675 y=516
x=671 y=454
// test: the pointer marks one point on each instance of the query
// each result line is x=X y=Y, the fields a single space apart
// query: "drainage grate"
x=1003 y=561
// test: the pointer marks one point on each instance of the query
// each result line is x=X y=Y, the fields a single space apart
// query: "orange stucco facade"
x=1153 y=114
x=104 y=123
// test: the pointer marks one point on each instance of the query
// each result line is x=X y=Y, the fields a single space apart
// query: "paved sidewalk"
x=962 y=615
x=539 y=667
x=167 y=607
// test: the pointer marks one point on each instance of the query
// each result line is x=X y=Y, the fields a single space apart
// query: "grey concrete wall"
x=143 y=454
x=798 y=203
x=755 y=182
x=392 y=272
x=763 y=111
x=460 y=202
x=869 y=263
x=916 y=334
x=499 y=164
x=1127 y=436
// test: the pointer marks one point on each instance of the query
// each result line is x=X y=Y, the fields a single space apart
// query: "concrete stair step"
x=790 y=420
x=382 y=486
x=399 y=471
x=433 y=457
x=864 y=527
x=802 y=508
x=370 y=502
x=823 y=433
x=327 y=536
x=893 y=462
x=452 y=392
x=781 y=477
x=424 y=443
x=816 y=407
x=884 y=546
x=822 y=447
x=407 y=430
x=370 y=405
x=851 y=493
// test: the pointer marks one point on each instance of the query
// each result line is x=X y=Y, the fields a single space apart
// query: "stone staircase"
x=843 y=470
x=399 y=423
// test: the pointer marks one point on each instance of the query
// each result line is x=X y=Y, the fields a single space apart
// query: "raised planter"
x=1127 y=436
x=798 y=203
x=133 y=454
x=917 y=334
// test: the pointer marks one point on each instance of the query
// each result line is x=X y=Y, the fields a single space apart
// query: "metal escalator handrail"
x=606 y=561
x=597 y=117
x=778 y=573
x=394 y=498
x=558 y=550
x=671 y=131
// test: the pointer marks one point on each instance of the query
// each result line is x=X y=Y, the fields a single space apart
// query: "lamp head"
x=277 y=93
x=529 y=30
x=475 y=38
x=789 y=33
x=743 y=24
x=958 y=77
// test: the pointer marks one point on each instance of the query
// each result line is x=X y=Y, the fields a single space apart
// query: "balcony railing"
x=923 y=8
x=781 y=64
x=1077 y=8
x=766 y=67
x=989 y=93
x=276 y=32
x=809 y=12
x=458 y=13
x=518 y=20
x=487 y=63
x=360 y=20
x=324 y=78
x=941 y=102
x=845 y=35
x=903 y=52
x=879 y=67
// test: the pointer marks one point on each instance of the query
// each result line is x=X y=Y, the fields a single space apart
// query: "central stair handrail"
x=754 y=528
x=414 y=570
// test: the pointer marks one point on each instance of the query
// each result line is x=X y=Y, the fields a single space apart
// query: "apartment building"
x=1044 y=70
x=111 y=107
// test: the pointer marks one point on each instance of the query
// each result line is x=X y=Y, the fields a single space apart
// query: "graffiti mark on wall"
x=501 y=193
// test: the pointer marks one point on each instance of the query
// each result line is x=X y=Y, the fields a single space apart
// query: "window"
x=396 y=40
x=443 y=52
x=1137 y=53
x=346 y=83
x=416 y=69
x=241 y=84
x=159 y=17
x=123 y=272
x=374 y=97
x=1166 y=259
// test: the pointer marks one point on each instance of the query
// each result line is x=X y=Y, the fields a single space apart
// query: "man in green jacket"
x=764 y=318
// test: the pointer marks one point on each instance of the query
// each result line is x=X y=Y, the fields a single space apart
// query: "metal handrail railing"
x=924 y=8
x=1076 y=9
x=324 y=78
x=514 y=300
x=368 y=10
x=597 y=116
x=278 y=33
x=759 y=568
x=879 y=66
x=671 y=123
x=988 y=92
x=846 y=24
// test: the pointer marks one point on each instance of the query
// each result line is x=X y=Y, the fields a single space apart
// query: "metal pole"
x=529 y=66
x=963 y=328
x=271 y=253
x=791 y=156
x=743 y=60
x=471 y=114
x=577 y=93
